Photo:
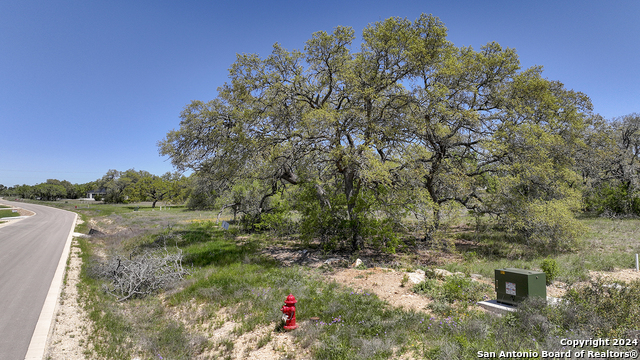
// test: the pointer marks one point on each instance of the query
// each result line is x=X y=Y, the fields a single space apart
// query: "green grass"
x=608 y=245
x=8 y=213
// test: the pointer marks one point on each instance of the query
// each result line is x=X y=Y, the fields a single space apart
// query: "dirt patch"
x=624 y=275
x=558 y=289
x=386 y=283
x=263 y=343
x=71 y=326
x=25 y=212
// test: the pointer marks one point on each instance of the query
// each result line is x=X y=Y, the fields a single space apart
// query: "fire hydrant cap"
x=290 y=300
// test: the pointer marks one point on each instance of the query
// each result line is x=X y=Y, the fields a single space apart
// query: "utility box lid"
x=520 y=271
x=515 y=285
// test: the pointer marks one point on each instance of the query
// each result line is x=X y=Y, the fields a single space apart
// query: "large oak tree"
x=410 y=122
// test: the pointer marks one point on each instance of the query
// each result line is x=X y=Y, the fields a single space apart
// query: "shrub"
x=329 y=220
x=550 y=268
x=548 y=225
x=441 y=308
x=427 y=287
x=433 y=274
x=278 y=221
x=605 y=310
x=455 y=288
x=458 y=288
x=614 y=200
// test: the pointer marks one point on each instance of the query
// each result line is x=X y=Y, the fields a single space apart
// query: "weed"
x=604 y=309
x=227 y=345
x=453 y=289
x=441 y=308
x=264 y=341
x=470 y=256
x=405 y=280
x=427 y=287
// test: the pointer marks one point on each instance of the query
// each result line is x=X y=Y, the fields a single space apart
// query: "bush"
x=604 y=310
x=614 y=200
x=458 y=288
x=550 y=268
x=278 y=221
x=369 y=224
x=547 y=225
x=427 y=287
x=455 y=288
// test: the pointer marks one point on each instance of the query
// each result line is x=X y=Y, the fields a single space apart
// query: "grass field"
x=8 y=213
x=234 y=291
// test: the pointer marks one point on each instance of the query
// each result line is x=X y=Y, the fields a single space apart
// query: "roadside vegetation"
x=231 y=281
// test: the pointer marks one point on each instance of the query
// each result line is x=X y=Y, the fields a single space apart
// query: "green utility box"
x=515 y=285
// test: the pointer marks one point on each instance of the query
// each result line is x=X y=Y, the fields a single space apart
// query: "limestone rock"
x=416 y=277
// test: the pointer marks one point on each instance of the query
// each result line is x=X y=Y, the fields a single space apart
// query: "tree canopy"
x=408 y=125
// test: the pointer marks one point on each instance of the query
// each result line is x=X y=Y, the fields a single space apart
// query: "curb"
x=44 y=326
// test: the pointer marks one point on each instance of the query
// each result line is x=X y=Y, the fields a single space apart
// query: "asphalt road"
x=30 y=250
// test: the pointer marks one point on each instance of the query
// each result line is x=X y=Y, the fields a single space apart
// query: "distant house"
x=91 y=194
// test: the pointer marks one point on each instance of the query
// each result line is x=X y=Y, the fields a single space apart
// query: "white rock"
x=442 y=272
x=416 y=277
x=357 y=263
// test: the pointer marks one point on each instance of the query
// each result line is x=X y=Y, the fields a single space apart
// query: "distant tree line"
x=119 y=187
x=52 y=189
x=353 y=143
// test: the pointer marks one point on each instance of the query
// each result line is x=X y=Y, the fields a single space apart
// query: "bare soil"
x=386 y=283
x=71 y=325
x=624 y=275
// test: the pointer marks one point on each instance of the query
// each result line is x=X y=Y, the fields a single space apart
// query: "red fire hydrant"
x=289 y=313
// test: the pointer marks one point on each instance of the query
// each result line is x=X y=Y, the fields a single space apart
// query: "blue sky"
x=88 y=86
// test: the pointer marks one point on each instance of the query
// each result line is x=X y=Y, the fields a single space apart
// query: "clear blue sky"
x=88 y=86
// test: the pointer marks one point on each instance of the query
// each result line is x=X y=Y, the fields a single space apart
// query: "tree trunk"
x=154 y=204
x=351 y=193
x=432 y=228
